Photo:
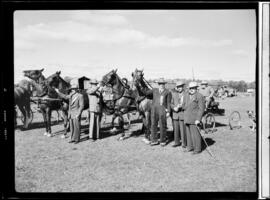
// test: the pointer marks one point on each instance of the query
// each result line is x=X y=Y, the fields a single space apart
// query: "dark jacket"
x=165 y=97
x=194 y=107
x=177 y=99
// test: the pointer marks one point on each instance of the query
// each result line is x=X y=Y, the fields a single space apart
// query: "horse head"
x=137 y=76
x=109 y=78
x=54 y=79
x=34 y=75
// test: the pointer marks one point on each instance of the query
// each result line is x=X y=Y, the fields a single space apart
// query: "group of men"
x=186 y=107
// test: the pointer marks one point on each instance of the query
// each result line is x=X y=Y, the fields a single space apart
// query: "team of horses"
x=125 y=98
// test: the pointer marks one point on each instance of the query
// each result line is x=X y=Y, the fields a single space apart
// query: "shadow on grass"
x=218 y=124
x=209 y=142
x=37 y=125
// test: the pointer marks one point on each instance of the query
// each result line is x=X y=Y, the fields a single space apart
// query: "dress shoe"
x=154 y=143
x=71 y=141
x=176 y=145
x=163 y=144
x=187 y=150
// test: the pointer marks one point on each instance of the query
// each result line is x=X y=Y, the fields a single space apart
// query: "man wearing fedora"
x=207 y=92
x=178 y=115
x=94 y=94
x=194 y=106
x=76 y=105
x=160 y=110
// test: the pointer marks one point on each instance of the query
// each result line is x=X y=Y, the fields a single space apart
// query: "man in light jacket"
x=94 y=94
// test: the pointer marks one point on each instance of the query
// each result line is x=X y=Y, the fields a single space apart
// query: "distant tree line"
x=240 y=86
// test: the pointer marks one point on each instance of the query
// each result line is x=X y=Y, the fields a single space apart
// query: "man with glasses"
x=194 y=106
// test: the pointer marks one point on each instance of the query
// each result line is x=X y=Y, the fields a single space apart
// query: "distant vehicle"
x=229 y=92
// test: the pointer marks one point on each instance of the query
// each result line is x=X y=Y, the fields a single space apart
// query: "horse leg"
x=22 y=109
x=147 y=124
x=27 y=112
x=43 y=111
x=121 y=125
x=66 y=124
x=48 y=116
x=112 y=123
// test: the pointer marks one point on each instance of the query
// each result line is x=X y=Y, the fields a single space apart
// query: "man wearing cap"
x=160 y=110
x=76 y=105
x=178 y=115
x=94 y=92
x=207 y=92
x=194 y=106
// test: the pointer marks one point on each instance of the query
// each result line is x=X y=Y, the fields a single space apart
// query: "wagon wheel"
x=31 y=117
x=234 y=120
x=209 y=123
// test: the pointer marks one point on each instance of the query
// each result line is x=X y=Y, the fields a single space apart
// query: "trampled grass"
x=45 y=164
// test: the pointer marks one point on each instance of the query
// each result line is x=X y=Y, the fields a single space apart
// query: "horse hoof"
x=121 y=138
x=49 y=135
x=45 y=133
x=63 y=136
x=113 y=130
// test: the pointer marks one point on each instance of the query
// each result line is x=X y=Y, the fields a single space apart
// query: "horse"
x=123 y=100
x=48 y=101
x=140 y=85
x=22 y=100
x=56 y=81
x=37 y=76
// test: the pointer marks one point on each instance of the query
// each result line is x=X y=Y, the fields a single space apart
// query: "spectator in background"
x=178 y=115
x=207 y=92
x=194 y=106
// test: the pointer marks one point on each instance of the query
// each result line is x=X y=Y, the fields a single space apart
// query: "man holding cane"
x=194 y=106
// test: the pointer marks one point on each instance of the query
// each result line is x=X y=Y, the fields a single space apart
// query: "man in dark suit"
x=194 y=106
x=178 y=115
x=160 y=110
x=76 y=104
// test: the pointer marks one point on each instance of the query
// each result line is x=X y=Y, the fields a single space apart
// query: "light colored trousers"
x=94 y=125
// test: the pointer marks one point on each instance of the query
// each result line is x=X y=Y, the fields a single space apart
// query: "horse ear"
x=115 y=70
x=132 y=74
x=58 y=73
x=41 y=70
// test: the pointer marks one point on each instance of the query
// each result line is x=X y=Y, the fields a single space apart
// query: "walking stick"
x=207 y=147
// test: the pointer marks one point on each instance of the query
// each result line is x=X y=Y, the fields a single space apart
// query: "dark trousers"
x=158 y=115
x=194 y=140
x=94 y=125
x=75 y=129
x=179 y=132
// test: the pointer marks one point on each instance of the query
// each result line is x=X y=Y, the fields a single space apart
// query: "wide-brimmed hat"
x=179 y=83
x=204 y=83
x=161 y=81
x=93 y=81
x=193 y=84
x=74 y=83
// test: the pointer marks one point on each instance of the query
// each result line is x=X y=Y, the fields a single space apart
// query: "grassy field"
x=45 y=164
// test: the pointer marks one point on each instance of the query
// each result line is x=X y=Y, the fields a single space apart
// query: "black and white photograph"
x=135 y=100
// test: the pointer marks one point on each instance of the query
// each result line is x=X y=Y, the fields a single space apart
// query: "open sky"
x=217 y=44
